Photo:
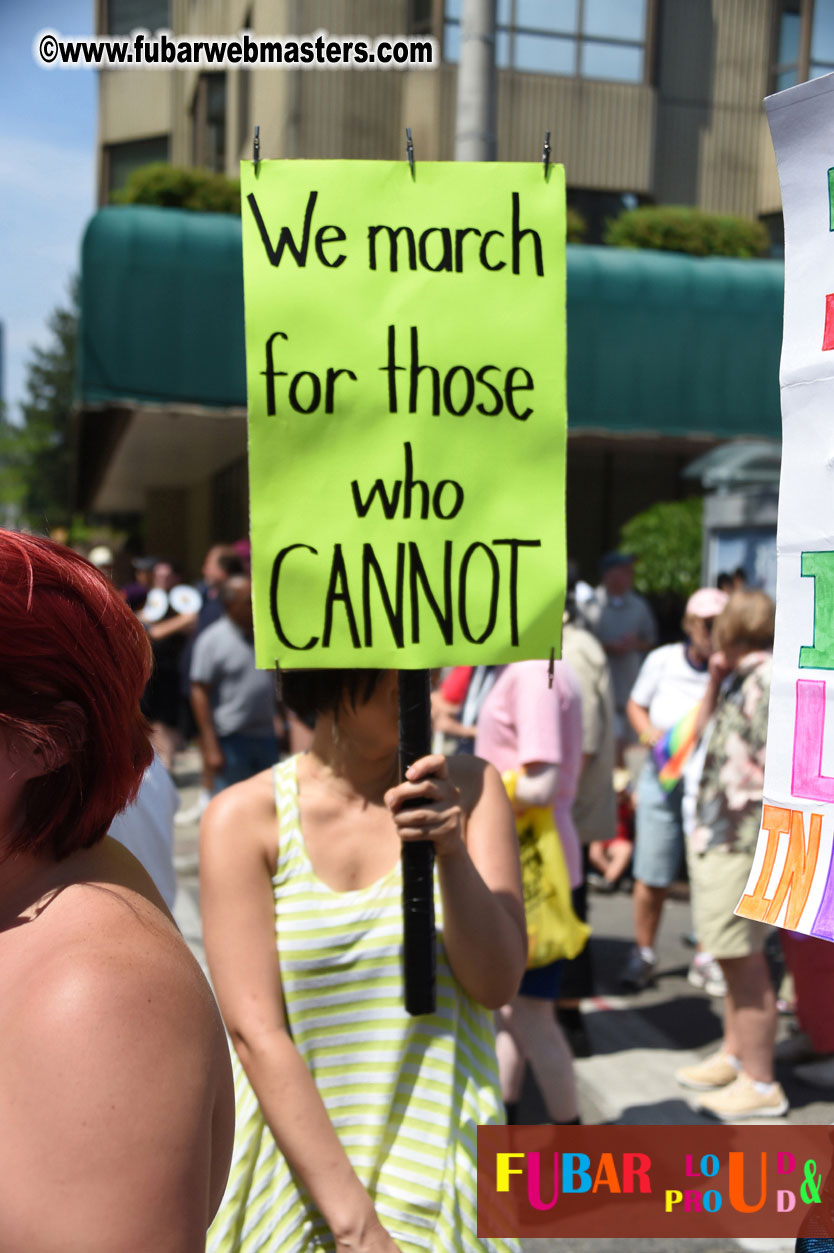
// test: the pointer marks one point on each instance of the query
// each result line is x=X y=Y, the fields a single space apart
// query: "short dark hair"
x=230 y=563
x=308 y=693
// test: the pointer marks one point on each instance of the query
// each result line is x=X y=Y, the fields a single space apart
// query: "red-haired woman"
x=115 y=1092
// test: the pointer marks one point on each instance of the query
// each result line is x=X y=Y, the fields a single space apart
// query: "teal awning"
x=657 y=342
x=661 y=342
x=161 y=309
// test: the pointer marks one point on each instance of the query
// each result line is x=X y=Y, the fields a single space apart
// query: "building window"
x=776 y=229
x=603 y=39
x=419 y=19
x=208 y=123
x=120 y=160
x=123 y=16
x=788 y=46
x=598 y=208
x=822 y=39
x=804 y=42
x=244 y=110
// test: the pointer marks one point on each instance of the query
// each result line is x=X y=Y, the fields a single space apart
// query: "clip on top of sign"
x=406 y=387
x=791 y=883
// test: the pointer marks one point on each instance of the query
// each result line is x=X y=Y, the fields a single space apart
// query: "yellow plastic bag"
x=553 y=929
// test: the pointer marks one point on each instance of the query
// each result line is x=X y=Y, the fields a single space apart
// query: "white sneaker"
x=716 y=1071
x=742 y=1099
x=706 y=973
x=185 y=817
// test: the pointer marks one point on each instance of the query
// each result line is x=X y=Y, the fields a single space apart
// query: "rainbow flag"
x=671 y=751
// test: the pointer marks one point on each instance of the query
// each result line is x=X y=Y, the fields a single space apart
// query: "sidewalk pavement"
x=186 y=854
x=638 y=1040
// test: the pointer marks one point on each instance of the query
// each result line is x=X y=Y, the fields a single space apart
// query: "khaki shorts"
x=717 y=880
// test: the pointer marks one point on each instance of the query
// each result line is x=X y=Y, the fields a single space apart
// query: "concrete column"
x=475 y=131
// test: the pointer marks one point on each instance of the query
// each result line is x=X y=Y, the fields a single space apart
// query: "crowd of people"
x=354 y=1123
x=652 y=759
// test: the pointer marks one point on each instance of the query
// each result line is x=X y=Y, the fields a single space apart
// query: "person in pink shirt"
x=533 y=728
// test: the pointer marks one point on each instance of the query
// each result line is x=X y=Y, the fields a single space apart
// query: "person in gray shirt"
x=624 y=624
x=233 y=702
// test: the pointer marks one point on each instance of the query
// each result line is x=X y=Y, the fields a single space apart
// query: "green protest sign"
x=405 y=346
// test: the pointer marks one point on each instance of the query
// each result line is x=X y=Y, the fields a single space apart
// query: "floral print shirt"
x=729 y=805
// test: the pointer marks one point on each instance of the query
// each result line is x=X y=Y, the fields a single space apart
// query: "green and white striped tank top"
x=404 y=1094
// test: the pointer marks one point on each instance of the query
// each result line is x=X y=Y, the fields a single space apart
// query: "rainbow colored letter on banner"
x=791 y=881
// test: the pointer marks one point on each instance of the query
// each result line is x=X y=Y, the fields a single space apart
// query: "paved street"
x=638 y=1041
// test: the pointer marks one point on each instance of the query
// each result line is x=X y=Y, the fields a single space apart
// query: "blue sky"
x=47 y=175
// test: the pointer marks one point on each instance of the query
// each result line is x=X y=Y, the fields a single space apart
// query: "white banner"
x=791 y=883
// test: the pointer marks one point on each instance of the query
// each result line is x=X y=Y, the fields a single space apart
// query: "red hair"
x=74 y=662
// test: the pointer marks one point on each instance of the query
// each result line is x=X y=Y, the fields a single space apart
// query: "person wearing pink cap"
x=738 y=1080
x=671 y=684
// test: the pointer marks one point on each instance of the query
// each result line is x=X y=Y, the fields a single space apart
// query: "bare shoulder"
x=475 y=779
x=115 y=1084
x=111 y=967
x=104 y=920
x=243 y=814
x=113 y=953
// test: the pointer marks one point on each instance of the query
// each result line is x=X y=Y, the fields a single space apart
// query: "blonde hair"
x=747 y=620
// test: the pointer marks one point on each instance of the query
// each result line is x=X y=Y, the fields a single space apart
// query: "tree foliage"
x=666 y=540
x=12 y=485
x=174 y=188
x=35 y=454
x=577 y=227
x=680 y=228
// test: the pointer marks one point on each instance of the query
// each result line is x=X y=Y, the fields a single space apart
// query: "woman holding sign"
x=356 y=1124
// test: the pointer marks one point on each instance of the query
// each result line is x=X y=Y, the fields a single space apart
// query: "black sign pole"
x=417 y=858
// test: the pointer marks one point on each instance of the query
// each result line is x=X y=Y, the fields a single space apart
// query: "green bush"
x=577 y=227
x=666 y=540
x=678 y=228
x=175 y=188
